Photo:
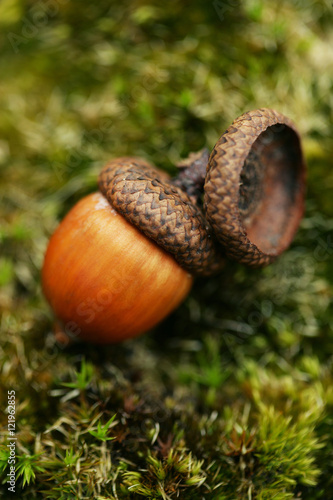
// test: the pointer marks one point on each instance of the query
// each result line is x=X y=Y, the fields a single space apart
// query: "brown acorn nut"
x=104 y=279
x=123 y=259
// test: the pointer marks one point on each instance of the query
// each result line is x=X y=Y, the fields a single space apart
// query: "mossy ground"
x=232 y=396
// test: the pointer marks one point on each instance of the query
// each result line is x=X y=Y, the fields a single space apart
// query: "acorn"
x=105 y=279
x=125 y=257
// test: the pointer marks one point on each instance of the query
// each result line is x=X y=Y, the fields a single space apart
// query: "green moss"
x=231 y=396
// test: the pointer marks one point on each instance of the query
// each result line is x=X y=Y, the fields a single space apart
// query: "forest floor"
x=231 y=397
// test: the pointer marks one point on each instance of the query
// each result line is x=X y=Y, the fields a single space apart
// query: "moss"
x=231 y=396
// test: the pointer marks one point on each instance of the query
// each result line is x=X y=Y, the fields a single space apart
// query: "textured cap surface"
x=255 y=186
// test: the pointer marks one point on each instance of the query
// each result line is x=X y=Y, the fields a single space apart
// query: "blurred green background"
x=231 y=397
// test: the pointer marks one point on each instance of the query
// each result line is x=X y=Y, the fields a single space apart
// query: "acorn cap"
x=255 y=187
